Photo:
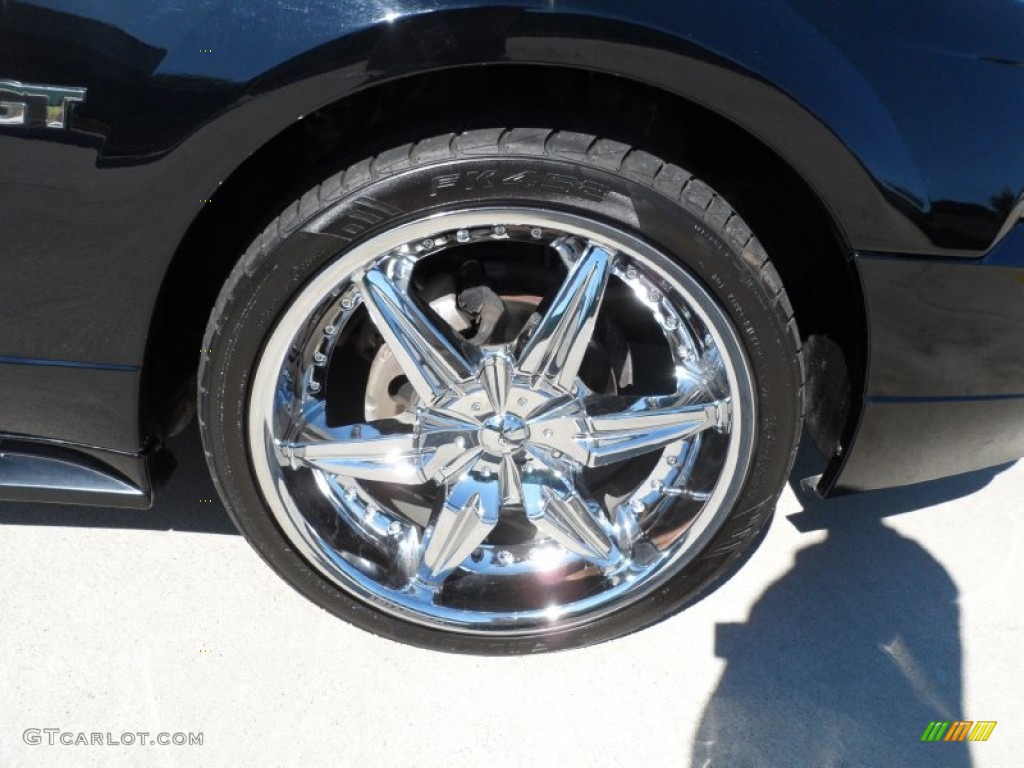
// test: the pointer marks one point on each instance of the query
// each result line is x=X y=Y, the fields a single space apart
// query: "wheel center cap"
x=504 y=433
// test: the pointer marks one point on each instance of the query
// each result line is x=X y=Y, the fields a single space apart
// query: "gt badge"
x=37 y=106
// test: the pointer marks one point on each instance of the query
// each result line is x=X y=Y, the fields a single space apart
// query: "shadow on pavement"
x=843 y=661
x=847 y=657
x=188 y=502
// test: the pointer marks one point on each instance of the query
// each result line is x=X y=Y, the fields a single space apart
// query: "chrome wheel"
x=520 y=456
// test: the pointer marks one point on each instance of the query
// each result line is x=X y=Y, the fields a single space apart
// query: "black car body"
x=172 y=131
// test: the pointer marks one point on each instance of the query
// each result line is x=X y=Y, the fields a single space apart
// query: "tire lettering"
x=562 y=183
x=557 y=182
x=522 y=178
x=480 y=179
x=447 y=181
x=593 y=190
x=363 y=214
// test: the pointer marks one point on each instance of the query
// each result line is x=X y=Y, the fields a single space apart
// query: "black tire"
x=572 y=172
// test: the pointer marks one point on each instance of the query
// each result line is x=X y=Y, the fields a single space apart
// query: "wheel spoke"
x=496 y=379
x=439 y=448
x=511 y=481
x=558 y=511
x=361 y=451
x=556 y=348
x=469 y=514
x=604 y=432
x=448 y=444
x=648 y=424
x=433 y=362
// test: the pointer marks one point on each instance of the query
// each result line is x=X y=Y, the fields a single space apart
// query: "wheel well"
x=792 y=224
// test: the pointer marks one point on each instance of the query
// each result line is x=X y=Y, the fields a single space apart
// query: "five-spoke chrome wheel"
x=501 y=421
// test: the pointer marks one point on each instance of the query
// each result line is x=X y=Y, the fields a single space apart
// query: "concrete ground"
x=856 y=623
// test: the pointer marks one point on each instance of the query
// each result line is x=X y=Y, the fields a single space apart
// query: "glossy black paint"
x=945 y=389
x=910 y=441
x=903 y=118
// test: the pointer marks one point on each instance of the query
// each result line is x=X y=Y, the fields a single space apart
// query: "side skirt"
x=41 y=471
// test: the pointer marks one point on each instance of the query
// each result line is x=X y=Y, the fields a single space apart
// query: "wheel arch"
x=311 y=136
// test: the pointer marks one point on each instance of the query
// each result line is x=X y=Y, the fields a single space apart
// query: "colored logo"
x=958 y=730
